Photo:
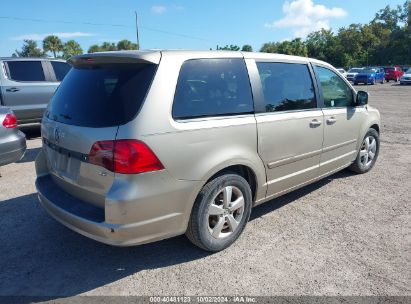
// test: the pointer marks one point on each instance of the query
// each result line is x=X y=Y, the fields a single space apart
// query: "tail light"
x=10 y=121
x=124 y=156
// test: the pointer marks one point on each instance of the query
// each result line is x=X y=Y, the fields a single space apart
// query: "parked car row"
x=373 y=75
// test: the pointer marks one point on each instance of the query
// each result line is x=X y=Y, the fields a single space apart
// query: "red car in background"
x=393 y=73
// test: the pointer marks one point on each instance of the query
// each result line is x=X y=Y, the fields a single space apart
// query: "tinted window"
x=26 y=70
x=212 y=87
x=286 y=86
x=101 y=96
x=335 y=91
x=60 y=69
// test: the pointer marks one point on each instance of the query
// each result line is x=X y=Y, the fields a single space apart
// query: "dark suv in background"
x=27 y=85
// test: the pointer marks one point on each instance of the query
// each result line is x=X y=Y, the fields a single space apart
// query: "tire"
x=205 y=221
x=396 y=79
x=373 y=81
x=355 y=83
x=362 y=163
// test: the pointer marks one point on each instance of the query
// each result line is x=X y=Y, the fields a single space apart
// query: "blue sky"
x=177 y=24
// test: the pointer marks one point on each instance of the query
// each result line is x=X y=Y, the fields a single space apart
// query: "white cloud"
x=158 y=9
x=303 y=17
x=60 y=35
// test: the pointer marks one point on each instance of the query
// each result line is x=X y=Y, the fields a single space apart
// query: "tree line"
x=384 y=40
x=53 y=45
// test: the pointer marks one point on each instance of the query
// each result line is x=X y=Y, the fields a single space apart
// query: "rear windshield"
x=389 y=69
x=355 y=70
x=101 y=95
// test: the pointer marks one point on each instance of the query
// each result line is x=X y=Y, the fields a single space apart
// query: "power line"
x=104 y=24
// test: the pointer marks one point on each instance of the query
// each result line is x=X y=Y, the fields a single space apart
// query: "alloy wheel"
x=225 y=212
x=367 y=151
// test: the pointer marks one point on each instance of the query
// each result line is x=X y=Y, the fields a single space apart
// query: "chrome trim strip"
x=288 y=160
x=330 y=148
x=291 y=159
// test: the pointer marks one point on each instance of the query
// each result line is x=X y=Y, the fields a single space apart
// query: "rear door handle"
x=12 y=90
x=331 y=120
x=315 y=123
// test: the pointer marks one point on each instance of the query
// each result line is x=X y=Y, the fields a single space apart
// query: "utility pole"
x=138 y=40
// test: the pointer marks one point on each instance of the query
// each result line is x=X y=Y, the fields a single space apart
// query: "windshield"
x=389 y=69
x=101 y=95
x=355 y=70
x=369 y=71
x=408 y=71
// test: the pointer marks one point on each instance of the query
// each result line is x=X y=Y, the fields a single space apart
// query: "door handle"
x=331 y=120
x=315 y=123
x=12 y=90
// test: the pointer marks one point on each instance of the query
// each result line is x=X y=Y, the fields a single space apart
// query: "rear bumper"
x=124 y=222
x=12 y=148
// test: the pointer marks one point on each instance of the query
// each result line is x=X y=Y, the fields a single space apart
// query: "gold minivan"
x=140 y=146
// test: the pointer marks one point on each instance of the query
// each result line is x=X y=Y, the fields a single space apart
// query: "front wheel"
x=367 y=156
x=220 y=213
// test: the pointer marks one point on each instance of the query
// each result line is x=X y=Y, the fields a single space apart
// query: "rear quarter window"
x=212 y=87
x=26 y=71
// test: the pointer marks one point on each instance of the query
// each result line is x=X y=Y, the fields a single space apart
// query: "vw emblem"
x=56 y=135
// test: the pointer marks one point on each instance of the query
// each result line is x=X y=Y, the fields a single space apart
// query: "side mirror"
x=362 y=98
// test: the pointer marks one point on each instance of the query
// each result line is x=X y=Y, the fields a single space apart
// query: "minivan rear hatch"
x=100 y=93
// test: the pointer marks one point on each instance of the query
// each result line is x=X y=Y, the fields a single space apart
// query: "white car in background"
x=342 y=72
x=406 y=78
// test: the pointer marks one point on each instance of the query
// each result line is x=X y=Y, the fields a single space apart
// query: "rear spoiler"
x=149 y=57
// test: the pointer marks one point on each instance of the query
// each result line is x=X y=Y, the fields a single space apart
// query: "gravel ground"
x=345 y=235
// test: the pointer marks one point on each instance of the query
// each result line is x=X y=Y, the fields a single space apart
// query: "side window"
x=335 y=91
x=26 y=70
x=60 y=69
x=286 y=86
x=212 y=87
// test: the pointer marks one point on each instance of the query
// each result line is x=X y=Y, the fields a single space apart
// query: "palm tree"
x=71 y=48
x=52 y=44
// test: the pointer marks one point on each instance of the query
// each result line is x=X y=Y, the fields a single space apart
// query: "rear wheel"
x=373 y=81
x=396 y=79
x=368 y=154
x=220 y=213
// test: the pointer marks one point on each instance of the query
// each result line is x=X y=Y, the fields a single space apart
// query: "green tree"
x=247 y=48
x=71 y=48
x=29 y=49
x=127 y=45
x=108 y=46
x=269 y=47
x=52 y=44
x=94 y=49
x=227 y=47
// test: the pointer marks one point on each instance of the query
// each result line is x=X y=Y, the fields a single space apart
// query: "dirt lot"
x=346 y=235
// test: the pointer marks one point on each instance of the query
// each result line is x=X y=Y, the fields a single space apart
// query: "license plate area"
x=63 y=162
